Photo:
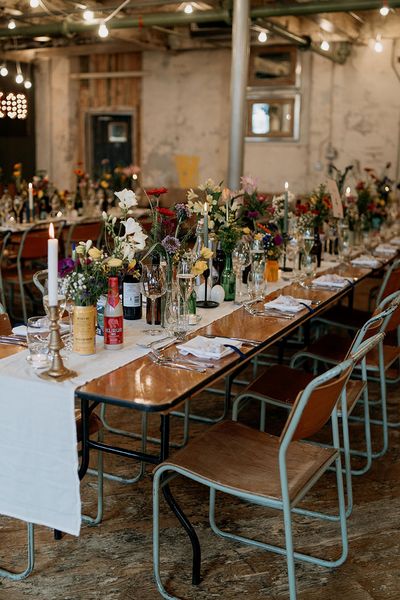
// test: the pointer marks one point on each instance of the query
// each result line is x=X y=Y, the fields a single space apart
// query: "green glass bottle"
x=228 y=278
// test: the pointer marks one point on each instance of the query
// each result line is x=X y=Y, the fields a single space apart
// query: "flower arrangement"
x=84 y=279
x=223 y=204
x=17 y=177
x=229 y=235
x=254 y=204
x=320 y=204
x=125 y=238
x=277 y=209
x=272 y=241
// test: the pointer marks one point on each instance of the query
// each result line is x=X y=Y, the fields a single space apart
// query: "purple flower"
x=252 y=214
x=182 y=211
x=171 y=244
x=65 y=266
x=278 y=240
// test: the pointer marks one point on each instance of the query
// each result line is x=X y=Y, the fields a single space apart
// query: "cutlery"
x=175 y=365
x=13 y=342
x=197 y=362
x=155 y=342
x=254 y=343
x=277 y=314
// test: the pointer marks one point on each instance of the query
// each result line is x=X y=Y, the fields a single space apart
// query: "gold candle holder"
x=58 y=371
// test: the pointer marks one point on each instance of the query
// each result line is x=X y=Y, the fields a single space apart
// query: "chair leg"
x=31 y=558
x=289 y=549
x=156 y=538
x=100 y=495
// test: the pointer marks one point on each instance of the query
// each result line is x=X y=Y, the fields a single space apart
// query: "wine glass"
x=241 y=258
x=153 y=285
x=308 y=240
x=18 y=205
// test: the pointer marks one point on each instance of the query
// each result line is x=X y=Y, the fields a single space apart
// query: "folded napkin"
x=332 y=280
x=21 y=329
x=288 y=304
x=385 y=249
x=395 y=241
x=366 y=260
x=203 y=347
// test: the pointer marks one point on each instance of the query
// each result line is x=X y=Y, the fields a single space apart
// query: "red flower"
x=360 y=186
x=157 y=191
x=165 y=211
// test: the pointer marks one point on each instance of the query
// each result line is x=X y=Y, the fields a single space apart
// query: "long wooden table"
x=147 y=387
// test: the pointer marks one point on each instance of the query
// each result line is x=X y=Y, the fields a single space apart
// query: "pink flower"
x=249 y=184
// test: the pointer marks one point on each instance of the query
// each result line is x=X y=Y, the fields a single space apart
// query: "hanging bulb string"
x=116 y=11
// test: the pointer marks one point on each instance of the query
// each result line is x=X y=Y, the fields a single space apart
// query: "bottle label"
x=113 y=331
x=131 y=294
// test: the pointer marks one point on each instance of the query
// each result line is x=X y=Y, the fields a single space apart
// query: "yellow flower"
x=132 y=265
x=206 y=253
x=114 y=262
x=95 y=253
x=40 y=194
x=246 y=230
x=80 y=249
x=108 y=176
x=104 y=184
x=199 y=267
x=258 y=236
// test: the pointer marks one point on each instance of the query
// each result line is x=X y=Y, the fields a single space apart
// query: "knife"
x=254 y=343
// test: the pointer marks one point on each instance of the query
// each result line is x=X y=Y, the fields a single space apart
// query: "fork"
x=197 y=362
x=270 y=314
x=165 y=362
x=155 y=343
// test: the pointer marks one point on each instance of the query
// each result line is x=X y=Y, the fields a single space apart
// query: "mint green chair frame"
x=160 y=478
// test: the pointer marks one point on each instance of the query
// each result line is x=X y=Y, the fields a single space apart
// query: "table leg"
x=85 y=438
x=176 y=509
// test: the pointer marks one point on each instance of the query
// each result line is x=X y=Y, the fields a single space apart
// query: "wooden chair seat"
x=332 y=346
x=282 y=384
x=345 y=316
x=95 y=424
x=244 y=459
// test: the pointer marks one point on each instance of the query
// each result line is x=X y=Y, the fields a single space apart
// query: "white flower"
x=114 y=220
x=134 y=231
x=127 y=199
x=191 y=195
x=104 y=215
x=88 y=245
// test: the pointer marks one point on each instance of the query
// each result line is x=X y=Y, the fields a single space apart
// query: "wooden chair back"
x=391 y=304
x=391 y=282
x=319 y=407
x=34 y=240
x=5 y=324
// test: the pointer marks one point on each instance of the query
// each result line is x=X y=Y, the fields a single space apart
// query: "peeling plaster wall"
x=56 y=126
x=185 y=111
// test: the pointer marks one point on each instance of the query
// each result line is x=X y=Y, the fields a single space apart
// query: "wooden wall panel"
x=109 y=94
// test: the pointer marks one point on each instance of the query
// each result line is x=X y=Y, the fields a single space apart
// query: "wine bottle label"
x=113 y=331
x=131 y=294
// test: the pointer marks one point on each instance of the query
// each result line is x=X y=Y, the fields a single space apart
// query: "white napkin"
x=203 y=347
x=331 y=280
x=287 y=304
x=385 y=249
x=366 y=260
x=395 y=241
x=21 y=329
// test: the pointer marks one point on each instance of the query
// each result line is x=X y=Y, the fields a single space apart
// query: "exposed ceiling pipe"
x=203 y=16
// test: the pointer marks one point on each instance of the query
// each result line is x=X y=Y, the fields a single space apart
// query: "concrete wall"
x=185 y=119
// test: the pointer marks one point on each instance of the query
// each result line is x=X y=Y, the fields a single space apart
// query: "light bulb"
x=188 y=9
x=11 y=24
x=384 y=10
x=134 y=176
x=262 y=37
x=378 y=46
x=348 y=190
x=34 y=3
x=88 y=15
x=325 y=45
x=19 y=78
x=103 y=31
x=3 y=71
x=28 y=84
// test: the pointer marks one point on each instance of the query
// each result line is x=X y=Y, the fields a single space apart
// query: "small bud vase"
x=271 y=272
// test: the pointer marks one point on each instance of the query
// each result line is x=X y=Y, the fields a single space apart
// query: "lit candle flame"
x=286 y=185
x=51 y=231
x=30 y=186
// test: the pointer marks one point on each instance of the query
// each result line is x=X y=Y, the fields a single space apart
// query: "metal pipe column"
x=239 y=69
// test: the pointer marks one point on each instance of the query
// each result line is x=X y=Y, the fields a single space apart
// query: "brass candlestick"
x=57 y=371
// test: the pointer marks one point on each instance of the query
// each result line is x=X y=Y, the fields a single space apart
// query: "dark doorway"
x=111 y=140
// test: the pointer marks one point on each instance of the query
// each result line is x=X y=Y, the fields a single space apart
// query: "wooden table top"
x=146 y=386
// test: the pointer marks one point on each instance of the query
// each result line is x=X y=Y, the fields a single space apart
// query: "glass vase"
x=228 y=278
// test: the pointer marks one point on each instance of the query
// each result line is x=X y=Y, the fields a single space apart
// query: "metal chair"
x=31 y=256
x=264 y=469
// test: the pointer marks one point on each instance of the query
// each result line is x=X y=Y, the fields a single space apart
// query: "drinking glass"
x=38 y=337
x=308 y=240
x=241 y=258
x=256 y=284
x=185 y=280
x=153 y=284
x=18 y=206
x=176 y=322
x=309 y=269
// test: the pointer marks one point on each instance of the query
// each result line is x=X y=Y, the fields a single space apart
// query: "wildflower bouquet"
x=223 y=205
x=320 y=204
x=272 y=241
x=84 y=279
x=254 y=205
x=123 y=239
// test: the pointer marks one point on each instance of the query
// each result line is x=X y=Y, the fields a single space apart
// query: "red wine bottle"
x=131 y=296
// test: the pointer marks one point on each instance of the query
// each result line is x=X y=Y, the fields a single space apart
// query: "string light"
x=34 y=3
x=28 y=84
x=19 y=78
x=262 y=37
x=3 y=70
x=188 y=8
x=325 y=45
x=384 y=9
x=11 y=24
x=378 y=46
x=88 y=16
x=103 y=30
